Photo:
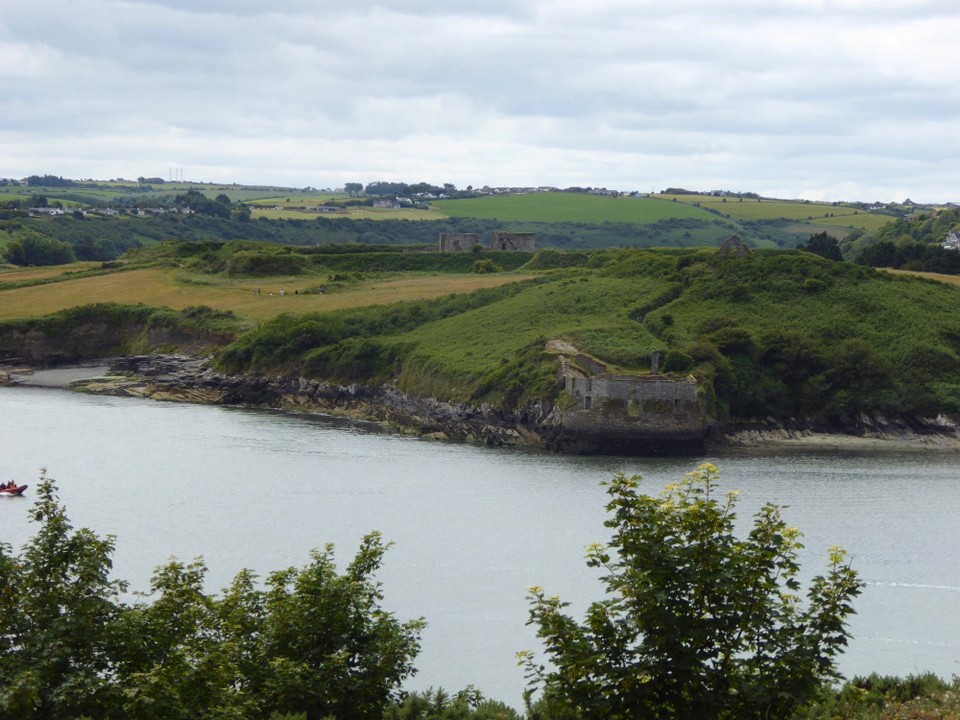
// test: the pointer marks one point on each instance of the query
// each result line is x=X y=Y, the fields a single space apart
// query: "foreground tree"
x=314 y=642
x=57 y=608
x=332 y=649
x=699 y=623
x=31 y=248
x=824 y=245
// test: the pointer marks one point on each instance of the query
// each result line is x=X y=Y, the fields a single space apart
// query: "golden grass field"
x=178 y=289
x=863 y=221
x=949 y=279
x=12 y=273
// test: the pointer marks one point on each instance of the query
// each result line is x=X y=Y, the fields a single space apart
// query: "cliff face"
x=94 y=339
x=35 y=347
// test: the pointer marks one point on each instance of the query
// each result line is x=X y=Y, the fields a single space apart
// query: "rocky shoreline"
x=190 y=379
x=183 y=378
x=775 y=440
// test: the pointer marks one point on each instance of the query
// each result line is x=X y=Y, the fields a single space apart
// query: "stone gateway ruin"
x=734 y=246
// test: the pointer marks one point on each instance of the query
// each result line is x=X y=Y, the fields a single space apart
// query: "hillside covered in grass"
x=777 y=333
x=782 y=334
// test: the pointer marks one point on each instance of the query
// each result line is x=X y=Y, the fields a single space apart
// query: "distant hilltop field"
x=100 y=220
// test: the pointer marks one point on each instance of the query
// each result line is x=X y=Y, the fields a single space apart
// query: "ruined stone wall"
x=625 y=411
x=458 y=242
x=629 y=395
x=520 y=242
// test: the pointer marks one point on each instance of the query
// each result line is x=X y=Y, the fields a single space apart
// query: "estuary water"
x=473 y=527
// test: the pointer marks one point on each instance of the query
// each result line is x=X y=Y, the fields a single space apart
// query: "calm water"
x=473 y=527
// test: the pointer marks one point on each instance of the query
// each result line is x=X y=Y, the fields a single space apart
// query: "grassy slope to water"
x=785 y=334
x=494 y=352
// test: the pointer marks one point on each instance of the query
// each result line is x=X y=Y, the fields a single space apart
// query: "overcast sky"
x=830 y=99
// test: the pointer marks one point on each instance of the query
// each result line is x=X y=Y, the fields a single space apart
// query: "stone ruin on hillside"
x=459 y=242
x=466 y=242
x=734 y=246
x=632 y=414
x=518 y=241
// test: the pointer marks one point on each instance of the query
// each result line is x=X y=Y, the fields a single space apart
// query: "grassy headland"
x=777 y=333
x=783 y=334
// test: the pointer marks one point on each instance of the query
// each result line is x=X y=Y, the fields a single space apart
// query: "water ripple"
x=922 y=586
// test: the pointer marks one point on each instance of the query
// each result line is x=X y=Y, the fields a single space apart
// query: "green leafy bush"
x=678 y=362
x=697 y=623
x=31 y=248
x=467 y=704
x=486 y=266
x=259 y=264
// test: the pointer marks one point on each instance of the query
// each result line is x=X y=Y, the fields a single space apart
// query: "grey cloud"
x=621 y=88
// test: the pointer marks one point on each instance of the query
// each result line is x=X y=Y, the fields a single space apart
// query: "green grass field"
x=14 y=274
x=575 y=310
x=570 y=207
x=296 y=199
x=862 y=221
x=6 y=196
x=353 y=213
x=815 y=212
x=106 y=193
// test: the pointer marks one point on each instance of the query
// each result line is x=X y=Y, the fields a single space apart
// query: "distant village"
x=134 y=196
x=57 y=209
